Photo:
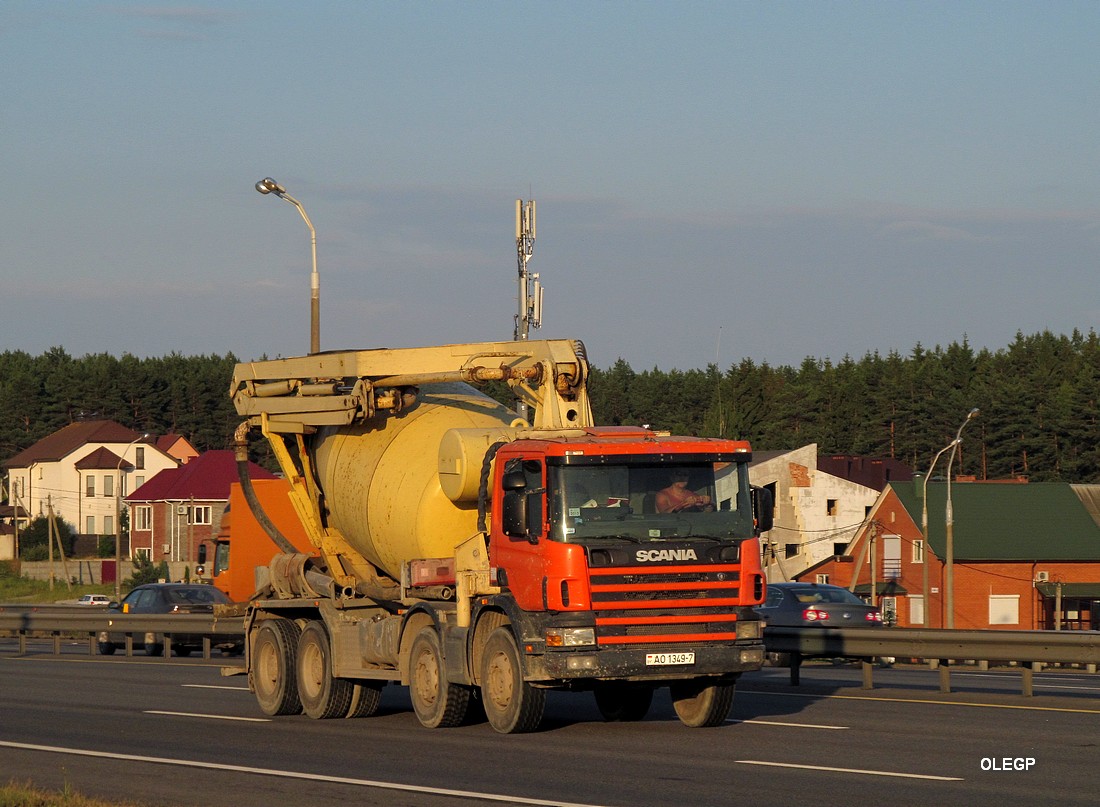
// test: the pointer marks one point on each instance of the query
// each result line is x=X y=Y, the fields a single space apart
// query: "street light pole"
x=924 y=531
x=118 y=517
x=950 y=524
x=269 y=185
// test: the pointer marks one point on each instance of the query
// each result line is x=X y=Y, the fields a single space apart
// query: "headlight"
x=749 y=629
x=570 y=637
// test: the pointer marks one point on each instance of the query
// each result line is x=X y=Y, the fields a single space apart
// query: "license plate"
x=654 y=659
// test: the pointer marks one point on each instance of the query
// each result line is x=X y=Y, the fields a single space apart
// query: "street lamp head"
x=269 y=185
x=973 y=413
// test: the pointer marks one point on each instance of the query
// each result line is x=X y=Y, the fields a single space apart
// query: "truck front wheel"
x=438 y=703
x=322 y=696
x=512 y=705
x=700 y=705
x=272 y=662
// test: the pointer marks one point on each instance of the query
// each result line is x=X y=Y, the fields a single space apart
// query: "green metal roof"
x=1045 y=521
x=1081 y=591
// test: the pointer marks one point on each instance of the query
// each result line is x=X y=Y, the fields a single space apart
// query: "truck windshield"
x=649 y=502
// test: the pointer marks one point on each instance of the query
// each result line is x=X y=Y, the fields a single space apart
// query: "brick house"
x=171 y=514
x=1024 y=555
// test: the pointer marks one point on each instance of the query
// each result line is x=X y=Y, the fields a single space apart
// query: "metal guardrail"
x=1029 y=648
x=58 y=622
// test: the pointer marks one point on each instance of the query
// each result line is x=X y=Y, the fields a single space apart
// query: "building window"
x=139 y=458
x=138 y=481
x=89 y=525
x=200 y=514
x=822 y=579
x=791 y=550
x=1004 y=609
x=108 y=525
x=916 y=610
x=839 y=548
x=891 y=557
x=143 y=518
x=89 y=485
x=830 y=507
x=918 y=551
x=108 y=485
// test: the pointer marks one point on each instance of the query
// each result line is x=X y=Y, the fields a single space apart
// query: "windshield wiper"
x=629 y=538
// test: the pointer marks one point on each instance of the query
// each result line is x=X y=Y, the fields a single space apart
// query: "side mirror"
x=763 y=509
x=513 y=480
x=202 y=554
x=514 y=516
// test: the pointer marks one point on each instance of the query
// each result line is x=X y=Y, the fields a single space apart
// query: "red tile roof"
x=64 y=441
x=205 y=478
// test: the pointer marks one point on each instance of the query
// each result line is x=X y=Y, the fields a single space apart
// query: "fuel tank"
x=382 y=481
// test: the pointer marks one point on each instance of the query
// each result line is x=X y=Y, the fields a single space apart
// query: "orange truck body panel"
x=249 y=545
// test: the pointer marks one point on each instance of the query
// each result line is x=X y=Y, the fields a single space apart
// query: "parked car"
x=805 y=605
x=169 y=598
x=94 y=599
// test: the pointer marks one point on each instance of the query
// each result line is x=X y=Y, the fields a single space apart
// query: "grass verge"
x=24 y=795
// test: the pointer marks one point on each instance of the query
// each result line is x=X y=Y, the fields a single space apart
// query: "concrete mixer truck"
x=475 y=556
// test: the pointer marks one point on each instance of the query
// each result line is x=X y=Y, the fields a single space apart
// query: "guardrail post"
x=1028 y=678
x=945 y=675
x=92 y=644
x=796 y=664
x=866 y=667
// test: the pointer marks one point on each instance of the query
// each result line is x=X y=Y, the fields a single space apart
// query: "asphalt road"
x=178 y=733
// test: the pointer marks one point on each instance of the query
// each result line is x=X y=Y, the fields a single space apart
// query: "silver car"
x=820 y=605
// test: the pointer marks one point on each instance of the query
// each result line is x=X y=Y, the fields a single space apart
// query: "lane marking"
x=310 y=777
x=922 y=700
x=756 y=721
x=207 y=716
x=861 y=771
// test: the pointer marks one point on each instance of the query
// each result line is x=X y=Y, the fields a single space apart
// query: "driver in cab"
x=678 y=497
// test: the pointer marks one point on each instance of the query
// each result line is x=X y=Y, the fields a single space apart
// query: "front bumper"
x=629 y=663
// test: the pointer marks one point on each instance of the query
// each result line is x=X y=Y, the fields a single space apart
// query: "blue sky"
x=715 y=181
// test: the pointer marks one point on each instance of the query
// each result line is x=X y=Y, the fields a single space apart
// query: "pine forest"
x=1037 y=396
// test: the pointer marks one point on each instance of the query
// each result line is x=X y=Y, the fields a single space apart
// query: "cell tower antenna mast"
x=530 y=290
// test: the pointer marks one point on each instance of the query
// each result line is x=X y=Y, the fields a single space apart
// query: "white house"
x=82 y=470
x=820 y=504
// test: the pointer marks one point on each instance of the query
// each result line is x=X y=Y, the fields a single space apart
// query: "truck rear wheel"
x=272 y=675
x=623 y=702
x=512 y=705
x=438 y=703
x=702 y=705
x=322 y=695
x=365 y=700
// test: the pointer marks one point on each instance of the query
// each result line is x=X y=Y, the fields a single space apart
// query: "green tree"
x=34 y=541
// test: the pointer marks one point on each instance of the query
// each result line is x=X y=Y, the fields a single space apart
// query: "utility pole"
x=530 y=290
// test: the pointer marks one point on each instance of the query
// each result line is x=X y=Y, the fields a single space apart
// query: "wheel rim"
x=501 y=686
x=266 y=668
x=426 y=678
x=312 y=678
